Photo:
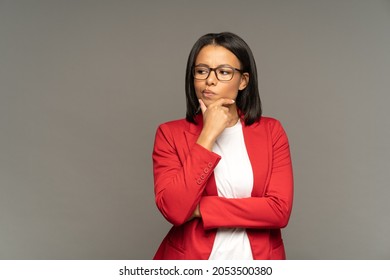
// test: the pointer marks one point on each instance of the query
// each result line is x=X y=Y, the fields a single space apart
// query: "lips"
x=208 y=93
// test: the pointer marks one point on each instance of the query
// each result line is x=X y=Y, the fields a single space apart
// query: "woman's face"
x=211 y=89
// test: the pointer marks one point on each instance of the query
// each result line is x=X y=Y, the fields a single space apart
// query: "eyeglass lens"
x=222 y=73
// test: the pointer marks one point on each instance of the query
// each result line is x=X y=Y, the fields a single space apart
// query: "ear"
x=244 y=81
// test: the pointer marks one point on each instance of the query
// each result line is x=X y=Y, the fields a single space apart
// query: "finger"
x=223 y=102
x=202 y=106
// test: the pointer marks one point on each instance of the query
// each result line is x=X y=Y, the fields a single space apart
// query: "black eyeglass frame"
x=215 y=72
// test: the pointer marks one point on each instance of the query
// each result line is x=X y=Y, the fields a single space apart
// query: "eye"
x=225 y=71
x=201 y=70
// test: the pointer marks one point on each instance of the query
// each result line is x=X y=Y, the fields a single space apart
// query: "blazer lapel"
x=192 y=132
x=257 y=145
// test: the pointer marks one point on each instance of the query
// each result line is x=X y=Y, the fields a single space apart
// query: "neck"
x=234 y=113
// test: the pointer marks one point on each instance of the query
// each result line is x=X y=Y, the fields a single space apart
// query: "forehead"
x=213 y=56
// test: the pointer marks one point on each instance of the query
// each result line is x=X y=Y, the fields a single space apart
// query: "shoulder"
x=269 y=126
x=266 y=122
x=174 y=125
x=174 y=128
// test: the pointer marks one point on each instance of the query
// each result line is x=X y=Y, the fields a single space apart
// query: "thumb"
x=202 y=106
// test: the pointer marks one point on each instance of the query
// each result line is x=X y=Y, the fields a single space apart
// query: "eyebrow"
x=208 y=66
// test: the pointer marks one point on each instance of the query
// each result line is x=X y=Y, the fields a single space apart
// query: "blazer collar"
x=196 y=128
x=193 y=130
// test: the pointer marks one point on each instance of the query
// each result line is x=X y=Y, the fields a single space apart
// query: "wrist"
x=206 y=141
x=197 y=212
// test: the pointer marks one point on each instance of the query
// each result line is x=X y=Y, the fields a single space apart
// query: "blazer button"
x=210 y=164
x=202 y=176
x=199 y=181
x=206 y=170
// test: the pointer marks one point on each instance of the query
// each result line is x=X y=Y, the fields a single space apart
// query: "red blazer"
x=184 y=178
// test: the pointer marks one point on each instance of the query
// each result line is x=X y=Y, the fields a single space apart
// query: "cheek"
x=232 y=89
x=198 y=88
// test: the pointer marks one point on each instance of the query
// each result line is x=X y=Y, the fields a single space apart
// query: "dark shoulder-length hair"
x=248 y=100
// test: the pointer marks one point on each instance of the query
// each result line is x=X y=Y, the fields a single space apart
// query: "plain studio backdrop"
x=84 y=85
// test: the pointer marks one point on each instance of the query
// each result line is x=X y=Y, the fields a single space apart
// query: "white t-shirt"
x=234 y=179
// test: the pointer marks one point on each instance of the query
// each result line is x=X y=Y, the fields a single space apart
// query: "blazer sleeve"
x=269 y=211
x=179 y=178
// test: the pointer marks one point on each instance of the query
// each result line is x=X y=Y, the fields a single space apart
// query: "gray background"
x=84 y=84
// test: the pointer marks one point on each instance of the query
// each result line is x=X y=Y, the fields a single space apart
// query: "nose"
x=212 y=78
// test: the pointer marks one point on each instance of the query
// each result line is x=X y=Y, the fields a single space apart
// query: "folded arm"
x=179 y=181
x=269 y=211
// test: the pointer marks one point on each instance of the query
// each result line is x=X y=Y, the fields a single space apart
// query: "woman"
x=223 y=175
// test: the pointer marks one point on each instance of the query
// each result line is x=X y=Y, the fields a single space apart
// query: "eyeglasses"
x=223 y=73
